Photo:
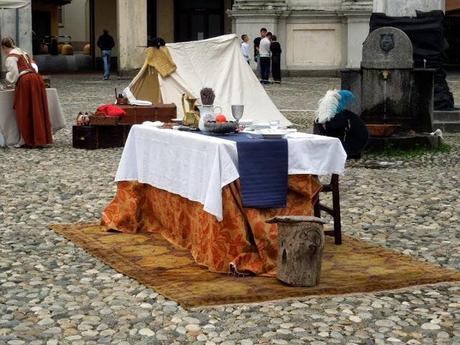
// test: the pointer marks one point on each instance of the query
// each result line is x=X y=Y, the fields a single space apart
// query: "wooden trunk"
x=138 y=114
x=99 y=137
x=301 y=244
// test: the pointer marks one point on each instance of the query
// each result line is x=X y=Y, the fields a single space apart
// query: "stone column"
x=132 y=33
x=18 y=25
x=407 y=7
x=357 y=14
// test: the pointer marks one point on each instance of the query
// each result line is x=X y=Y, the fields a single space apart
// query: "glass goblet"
x=237 y=112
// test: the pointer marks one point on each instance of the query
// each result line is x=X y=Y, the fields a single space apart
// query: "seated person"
x=333 y=120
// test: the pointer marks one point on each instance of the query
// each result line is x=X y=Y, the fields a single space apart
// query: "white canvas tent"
x=216 y=63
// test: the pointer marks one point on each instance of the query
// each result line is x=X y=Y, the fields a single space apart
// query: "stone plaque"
x=387 y=48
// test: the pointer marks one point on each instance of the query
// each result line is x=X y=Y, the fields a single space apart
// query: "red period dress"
x=31 y=105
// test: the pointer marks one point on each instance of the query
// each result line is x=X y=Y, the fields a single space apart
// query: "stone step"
x=441 y=116
x=447 y=126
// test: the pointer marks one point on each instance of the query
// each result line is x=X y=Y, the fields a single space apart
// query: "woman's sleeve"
x=11 y=64
x=34 y=66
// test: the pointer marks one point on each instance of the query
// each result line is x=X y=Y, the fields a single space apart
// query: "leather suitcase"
x=85 y=137
x=99 y=137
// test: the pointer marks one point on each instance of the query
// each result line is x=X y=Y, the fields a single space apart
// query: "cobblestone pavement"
x=52 y=292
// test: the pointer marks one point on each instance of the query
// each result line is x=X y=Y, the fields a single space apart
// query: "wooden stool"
x=334 y=211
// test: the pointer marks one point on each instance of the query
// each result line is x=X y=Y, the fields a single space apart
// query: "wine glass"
x=237 y=112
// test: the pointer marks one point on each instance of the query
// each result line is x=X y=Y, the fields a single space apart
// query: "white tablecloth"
x=196 y=166
x=9 y=134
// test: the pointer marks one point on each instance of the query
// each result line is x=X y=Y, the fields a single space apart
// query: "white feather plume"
x=327 y=107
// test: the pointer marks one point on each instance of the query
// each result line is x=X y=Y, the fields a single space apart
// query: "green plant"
x=415 y=152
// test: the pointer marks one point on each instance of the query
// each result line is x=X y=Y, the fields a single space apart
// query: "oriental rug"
x=353 y=267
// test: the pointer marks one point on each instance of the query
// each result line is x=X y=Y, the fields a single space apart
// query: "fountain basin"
x=382 y=129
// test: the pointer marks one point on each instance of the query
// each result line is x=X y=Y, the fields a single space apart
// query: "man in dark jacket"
x=275 y=49
x=105 y=43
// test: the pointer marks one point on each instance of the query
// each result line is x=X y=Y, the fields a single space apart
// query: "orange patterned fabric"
x=242 y=240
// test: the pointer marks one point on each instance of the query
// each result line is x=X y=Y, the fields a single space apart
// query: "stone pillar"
x=132 y=33
x=18 y=25
x=357 y=15
x=407 y=7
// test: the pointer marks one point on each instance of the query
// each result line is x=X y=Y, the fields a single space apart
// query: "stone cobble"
x=52 y=292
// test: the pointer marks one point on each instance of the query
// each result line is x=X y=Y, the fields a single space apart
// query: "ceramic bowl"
x=382 y=130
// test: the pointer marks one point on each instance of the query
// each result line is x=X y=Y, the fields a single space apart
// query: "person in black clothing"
x=275 y=49
x=257 y=40
x=349 y=129
x=105 y=42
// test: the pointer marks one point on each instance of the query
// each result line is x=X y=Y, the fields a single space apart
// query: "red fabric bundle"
x=111 y=110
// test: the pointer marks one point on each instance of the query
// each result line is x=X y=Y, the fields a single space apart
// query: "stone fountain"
x=393 y=99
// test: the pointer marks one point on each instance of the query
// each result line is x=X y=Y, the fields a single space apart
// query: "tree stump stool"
x=301 y=244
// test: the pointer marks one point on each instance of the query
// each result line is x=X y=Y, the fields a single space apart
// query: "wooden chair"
x=334 y=211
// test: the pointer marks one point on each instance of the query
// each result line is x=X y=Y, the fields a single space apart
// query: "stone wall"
x=407 y=7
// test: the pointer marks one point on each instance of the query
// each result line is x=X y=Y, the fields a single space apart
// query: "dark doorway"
x=453 y=38
x=198 y=19
x=151 y=19
x=41 y=24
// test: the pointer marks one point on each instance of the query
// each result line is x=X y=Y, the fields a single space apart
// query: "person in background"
x=275 y=49
x=245 y=46
x=263 y=32
x=30 y=100
x=264 y=57
x=105 y=42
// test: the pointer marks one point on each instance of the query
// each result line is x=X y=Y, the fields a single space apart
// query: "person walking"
x=263 y=32
x=30 y=100
x=275 y=49
x=264 y=57
x=105 y=42
x=245 y=48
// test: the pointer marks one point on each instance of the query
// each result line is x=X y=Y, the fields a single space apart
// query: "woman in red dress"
x=30 y=101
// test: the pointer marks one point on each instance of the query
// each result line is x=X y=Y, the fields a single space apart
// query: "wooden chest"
x=137 y=114
x=99 y=137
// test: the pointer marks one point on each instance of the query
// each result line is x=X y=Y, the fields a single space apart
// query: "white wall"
x=76 y=20
x=318 y=46
x=407 y=7
x=314 y=4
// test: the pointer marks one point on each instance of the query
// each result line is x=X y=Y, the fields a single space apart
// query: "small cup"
x=274 y=124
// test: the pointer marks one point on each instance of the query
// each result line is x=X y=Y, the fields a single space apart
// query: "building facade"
x=315 y=35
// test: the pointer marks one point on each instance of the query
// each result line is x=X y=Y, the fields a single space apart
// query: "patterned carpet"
x=353 y=267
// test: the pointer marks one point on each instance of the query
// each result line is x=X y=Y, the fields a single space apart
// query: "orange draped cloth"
x=243 y=240
x=31 y=105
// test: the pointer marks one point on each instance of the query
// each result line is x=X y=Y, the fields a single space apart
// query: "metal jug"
x=191 y=117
